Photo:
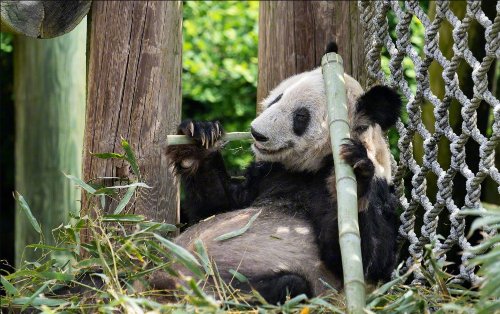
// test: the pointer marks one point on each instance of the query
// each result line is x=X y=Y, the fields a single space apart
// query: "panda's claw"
x=217 y=128
x=191 y=128
x=205 y=134
x=354 y=153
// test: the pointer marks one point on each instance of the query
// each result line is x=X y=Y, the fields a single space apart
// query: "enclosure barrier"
x=377 y=36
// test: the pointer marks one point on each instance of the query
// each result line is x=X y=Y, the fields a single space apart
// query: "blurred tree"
x=6 y=152
x=49 y=89
x=219 y=80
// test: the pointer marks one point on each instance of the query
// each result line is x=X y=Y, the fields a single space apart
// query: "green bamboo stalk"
x=228 y=137
x=345 y=180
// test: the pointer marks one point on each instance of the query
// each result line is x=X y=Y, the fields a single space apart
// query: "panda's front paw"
x=204 y=133
x=354 y=153
x=186 y=159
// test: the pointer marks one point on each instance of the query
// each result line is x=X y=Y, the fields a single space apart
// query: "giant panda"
x=292 y=246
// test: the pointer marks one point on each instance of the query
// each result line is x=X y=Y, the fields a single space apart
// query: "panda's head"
x=293 y=127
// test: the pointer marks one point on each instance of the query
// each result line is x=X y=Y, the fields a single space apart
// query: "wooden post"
x=293 y=36
x=134 y=92
x=42 y=18
x=49 y=89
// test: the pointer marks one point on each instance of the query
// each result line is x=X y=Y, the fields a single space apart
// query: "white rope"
x=376 y=30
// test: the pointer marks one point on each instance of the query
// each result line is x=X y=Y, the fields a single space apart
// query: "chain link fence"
x=437 y=219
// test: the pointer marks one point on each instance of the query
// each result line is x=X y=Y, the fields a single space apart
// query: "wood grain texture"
x=293 y=36
x=134 y=92
x=42 y=18
x=49 y=88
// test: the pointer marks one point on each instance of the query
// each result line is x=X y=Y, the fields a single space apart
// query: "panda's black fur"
x=304 y=195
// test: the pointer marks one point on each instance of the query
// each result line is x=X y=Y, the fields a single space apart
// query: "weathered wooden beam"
x=42 y=19
x=134 y=92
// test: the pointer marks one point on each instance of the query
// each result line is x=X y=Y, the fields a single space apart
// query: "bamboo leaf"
x=108 y=155
x=123 y=218
x=38 y=301
x=23 y=273
x=295 y=301
x=205 y=260
x=57 y=276
x=34 y=295
x=103 y=201
x=239 y=276
x=130 y=157
x=90 y=262
x=9 y=288
x=487 y=220
x=47 y=247
x=26 y=209
x=182 y=254
x=323 y=303
x=103 y=192
x=157 y=226
x=80 y=183
x=238 y=232
x=125 y=200
x=136 y=184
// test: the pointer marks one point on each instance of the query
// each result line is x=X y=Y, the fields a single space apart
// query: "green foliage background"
x=219 y=79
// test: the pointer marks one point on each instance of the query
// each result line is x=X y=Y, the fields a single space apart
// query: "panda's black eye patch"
x=301 y=118
x=275 y=100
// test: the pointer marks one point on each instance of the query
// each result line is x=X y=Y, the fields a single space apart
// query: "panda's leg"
x=277 y=287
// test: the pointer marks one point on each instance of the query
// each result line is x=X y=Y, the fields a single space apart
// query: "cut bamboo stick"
x=347 y=200
x=228 y=137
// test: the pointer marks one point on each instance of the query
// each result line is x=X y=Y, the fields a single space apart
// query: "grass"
x=110 y=273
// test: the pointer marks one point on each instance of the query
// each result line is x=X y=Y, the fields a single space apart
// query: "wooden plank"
x=134 y=92
x=293 y=36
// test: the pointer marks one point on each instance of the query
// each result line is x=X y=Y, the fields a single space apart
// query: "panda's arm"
x=208 y=188
x=377 y=218
x=377 y=212
x=379 y=230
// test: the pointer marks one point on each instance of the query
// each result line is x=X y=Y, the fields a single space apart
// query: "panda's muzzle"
x=257 y=136
x=266 y=151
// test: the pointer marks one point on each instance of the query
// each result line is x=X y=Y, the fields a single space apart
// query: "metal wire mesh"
x=415 y=200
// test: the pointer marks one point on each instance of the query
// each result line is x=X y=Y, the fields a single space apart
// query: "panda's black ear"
x=381 y=104
x=332 y=47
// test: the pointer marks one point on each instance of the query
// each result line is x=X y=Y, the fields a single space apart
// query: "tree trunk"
x=49 y=89
x=134 y=92
x=293 y=36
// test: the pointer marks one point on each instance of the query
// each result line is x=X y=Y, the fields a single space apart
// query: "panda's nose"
x=257 y=136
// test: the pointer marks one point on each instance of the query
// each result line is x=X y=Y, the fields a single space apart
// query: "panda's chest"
x=294 y=193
